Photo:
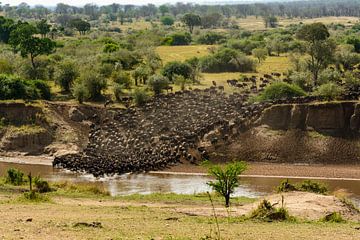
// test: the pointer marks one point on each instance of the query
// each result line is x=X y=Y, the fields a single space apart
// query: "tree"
x=176 y=68
x=167 y=20
x=260 y=54
x=211 y=20
x=158 y=83
x=93 y=82
x=80 y=25
x=22 y=40
x=43 y=28
x=227 y=178
x=319 y=47
x=191 y=20
x=180 y=38
x=6 y=26
x=163 y=9
x=270 y=21
x=66 y=74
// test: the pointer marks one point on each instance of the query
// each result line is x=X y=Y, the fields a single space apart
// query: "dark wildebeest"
x=214 y=83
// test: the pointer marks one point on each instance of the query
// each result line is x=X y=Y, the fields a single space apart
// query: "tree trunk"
x=227 y=200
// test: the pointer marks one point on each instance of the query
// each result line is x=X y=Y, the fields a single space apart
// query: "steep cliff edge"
x=300 y=133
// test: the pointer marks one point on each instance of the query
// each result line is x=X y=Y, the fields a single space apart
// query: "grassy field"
x=182 y=53
x=156 y=216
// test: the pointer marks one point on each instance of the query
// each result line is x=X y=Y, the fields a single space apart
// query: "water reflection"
x=165 y=183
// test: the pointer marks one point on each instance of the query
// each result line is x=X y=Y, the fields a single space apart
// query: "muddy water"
x=181 y=184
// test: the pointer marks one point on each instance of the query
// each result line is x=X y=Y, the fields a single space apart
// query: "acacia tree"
x=227 y=178
x=191 y=20
x=319 y=47
x=22 y=40
x=260 y=54
x=80 y=25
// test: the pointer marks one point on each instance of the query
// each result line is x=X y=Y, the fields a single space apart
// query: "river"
x=146 y=183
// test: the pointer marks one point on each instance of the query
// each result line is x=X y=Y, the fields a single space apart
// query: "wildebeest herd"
x=168 y=129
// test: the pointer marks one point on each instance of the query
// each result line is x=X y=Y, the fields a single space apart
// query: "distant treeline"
x=293 y=9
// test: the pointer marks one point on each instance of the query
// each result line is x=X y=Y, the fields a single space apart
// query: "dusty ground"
x=127 y=219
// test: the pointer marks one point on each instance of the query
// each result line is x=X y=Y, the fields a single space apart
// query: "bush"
x=280 y=90
x=177 y=68
x=140 y=97
x=35 y=197
x=333 y=217
x=118 y=91
x=94 y=84
x=6 y=67
x=167 y=20
x=311 y=186
x=329 y=75
x=110 y=47
x=301 y=79
x=266 y=212
x=329 y=91
x=12 y=87
x=66 y=74
x=211 y=38
x=122 y=78
x=158 y=83
x=41 y=185
x=227 y=60
x=80 y=92
x=178 y=39
x=15 y=177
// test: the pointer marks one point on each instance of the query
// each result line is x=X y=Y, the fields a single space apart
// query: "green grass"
x=182 y=53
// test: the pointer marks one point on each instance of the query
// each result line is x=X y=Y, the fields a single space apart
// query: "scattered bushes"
x=329 y=91
x=211 y=38
x=15 y=177
x=280 y=90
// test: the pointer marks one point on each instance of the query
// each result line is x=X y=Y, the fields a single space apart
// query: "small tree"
x=260 y=54
x=80 y=92
x=80 y=25
x=227 y=178
x=66 y=74
x=43 y=28
x=167 y=20
x=191 y=20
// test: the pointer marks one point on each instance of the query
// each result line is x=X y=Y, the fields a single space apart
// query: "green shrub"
x=328 y=75
x=167 y=20
x=65 y=75
x=333 y=217
x=6 y=67
x=280 y=90
x=41 y=185
x=33 y=196
x=178 y=39
x=140 y=97
x=177 y=68
x=118 y=91
x=211 y=38
x=121 y=77
x=329 y=91
x=43 y=89
x=15 y=177
x=110 y=47
x=80 y=92
x=312 y=186
x=301 y=79
x=158 y=83
x=266 y=212
x=94 y=83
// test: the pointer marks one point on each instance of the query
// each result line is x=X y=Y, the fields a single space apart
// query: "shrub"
x=41 y=185
x=177 y=68
x=328 y=75
x=280 y=90
x=211 y=38
x=66 y=74
x=43 y=89
x=178 y=39
x=167 y=20
x=329 y=91
x=118 y=91
x=35 y=197
x=311 y=186
x=266 y=212
x=351 y=81
x=110 y=47
x=181 y=81
x=80 y=92
x=140 y=97
x=94 y=84
x=158 y=83
x=333 y=217
x=122 y=78
x=15 y=177
x=301 y=79
x=6 y=67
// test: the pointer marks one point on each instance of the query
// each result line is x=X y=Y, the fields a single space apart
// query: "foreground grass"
x=154 y=216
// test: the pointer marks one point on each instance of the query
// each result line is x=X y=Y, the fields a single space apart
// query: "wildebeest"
x=214 y=83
